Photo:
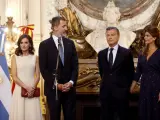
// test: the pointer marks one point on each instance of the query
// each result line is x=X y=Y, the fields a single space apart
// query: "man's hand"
x=66 y=87
x=60 y=86
x=132 y=87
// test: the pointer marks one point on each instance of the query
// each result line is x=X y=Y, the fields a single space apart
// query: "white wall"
x=19 y=11
x=2 y=11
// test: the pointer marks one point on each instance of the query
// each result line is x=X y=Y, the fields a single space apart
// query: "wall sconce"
x=12 y=33
x=10 y=30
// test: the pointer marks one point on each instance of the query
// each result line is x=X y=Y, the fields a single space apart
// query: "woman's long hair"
x=18 y=50
x=154 y=32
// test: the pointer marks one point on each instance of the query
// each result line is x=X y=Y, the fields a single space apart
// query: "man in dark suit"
x=116 y=69
x=66 y=72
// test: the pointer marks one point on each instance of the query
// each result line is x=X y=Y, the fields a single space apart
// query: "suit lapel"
x=118 y=58
x=106 y=57
x=52 y=43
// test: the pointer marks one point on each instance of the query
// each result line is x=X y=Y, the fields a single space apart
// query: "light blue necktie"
x=60 y=48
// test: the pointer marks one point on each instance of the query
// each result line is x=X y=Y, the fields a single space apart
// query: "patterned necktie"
x=60 y=48
x=111 y=57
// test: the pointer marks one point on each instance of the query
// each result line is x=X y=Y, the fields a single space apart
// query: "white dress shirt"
x=115 y=48
x=55 y=38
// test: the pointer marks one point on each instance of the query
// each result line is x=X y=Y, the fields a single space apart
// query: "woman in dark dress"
x=149 y=68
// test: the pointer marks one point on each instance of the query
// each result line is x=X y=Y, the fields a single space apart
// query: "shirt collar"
x=114 y=48
x=55 y=37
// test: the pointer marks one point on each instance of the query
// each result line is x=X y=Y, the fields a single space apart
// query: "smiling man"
x=116 y=69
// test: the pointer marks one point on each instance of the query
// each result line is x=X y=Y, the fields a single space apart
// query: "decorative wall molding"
x=127 y=12
x=133 y=24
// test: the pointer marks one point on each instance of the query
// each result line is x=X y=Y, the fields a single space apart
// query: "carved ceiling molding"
x=126 y=13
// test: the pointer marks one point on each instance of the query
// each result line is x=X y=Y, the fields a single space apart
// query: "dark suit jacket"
x=116 y=81
x=48 y=58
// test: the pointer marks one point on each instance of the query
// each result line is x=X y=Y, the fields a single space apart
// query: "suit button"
x=110 y=74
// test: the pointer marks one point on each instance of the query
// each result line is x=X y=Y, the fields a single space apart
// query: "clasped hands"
x=64 y=87
x=30 y=91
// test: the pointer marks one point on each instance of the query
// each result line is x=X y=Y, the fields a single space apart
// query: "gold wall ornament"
x=83 y=48
x=12 y=34
x=75 y=27
x=77 y=33
x=88 y=78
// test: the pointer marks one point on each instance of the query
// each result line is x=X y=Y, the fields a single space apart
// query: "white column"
x=34 y=18
x=34 y=15
x=44 y=21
